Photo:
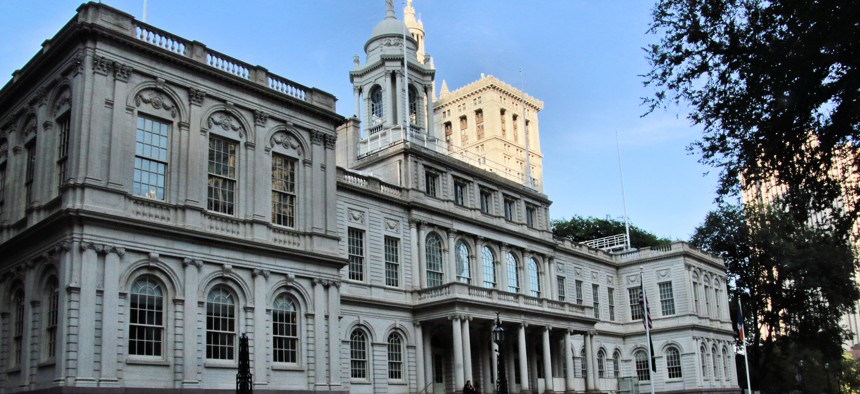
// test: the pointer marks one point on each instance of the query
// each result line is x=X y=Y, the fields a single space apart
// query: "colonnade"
x=515 y=350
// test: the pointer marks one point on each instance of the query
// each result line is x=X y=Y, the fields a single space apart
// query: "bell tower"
x=388 y=95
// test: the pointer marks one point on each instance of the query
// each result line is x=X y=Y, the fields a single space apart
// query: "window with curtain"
x=463 y=265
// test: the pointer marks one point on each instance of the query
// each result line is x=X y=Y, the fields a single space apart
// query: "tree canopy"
x=795 y=283
x=580 y=229
x=775 y=85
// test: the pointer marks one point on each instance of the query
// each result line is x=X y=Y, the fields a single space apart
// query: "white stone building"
x=160 y=198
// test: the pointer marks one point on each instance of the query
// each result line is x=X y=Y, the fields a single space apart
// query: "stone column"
x=110 y=308
x=568 y=363
x=63 y=280
x=524 y=365
x=419 y=357
x=589 y=360
x=467 y=350
x=452 y=261
x=551 y=282
x=398 y=98
x=489 y=382
x=487 y=361
x=428 y=362
x=429 y=126
x=87 y=321
x=478 y=275
x=334 y=333
x=319 y=332
x=503 y=268
x=357 y=92
x=189 y=361
x=260 y=328
x=547 y=362
x=416 y=265
x=422 y=255
x=459 y=379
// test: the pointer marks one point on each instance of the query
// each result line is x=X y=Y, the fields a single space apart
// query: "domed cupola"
x=387 y=36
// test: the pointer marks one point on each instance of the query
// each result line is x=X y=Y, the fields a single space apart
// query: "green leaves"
x=579 y=229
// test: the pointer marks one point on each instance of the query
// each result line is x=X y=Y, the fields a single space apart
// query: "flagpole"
x=623 y=199
x=406 y=82
x=646 y=317
x=744 y=342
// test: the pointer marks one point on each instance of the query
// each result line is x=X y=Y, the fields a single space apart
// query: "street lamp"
x=499 y=339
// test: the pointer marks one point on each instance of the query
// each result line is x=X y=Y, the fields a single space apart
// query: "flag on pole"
x=740 y=323
x=647 y=323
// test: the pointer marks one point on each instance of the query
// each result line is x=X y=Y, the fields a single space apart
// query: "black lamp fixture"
x=499 y=339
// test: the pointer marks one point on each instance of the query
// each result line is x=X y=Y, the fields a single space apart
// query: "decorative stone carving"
x=594 y=275
x=632 y=279
x=257 y=272
x=609 y=279
x=355 y=216
x=101 y=65
x=290 y=278
x=663 y=273
x=195 y=262
x=392 y=225
x=330 y=141
x=78 y=62
x=226 y=121
x=155 y=100
x=317 y=137
x=260 y=118
x=287 y=141
x=65 y=98
x=121 y=71
x=153 y=258
x=577 y=271
x=196 y=96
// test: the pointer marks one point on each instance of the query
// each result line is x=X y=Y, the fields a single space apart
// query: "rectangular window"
x=716 y=302
x=531 y=216
x=150 y=158
x=707 y=302
x=222 y=175
x=595 y=296
x=486 y=199
x=502 y=122
x=509 y=209
x=448 y=129
x=579 y=292
x=464 y=130
x=515 y=124
x=635 y=306
x=667 y=298
x=610 y=295
x=479 y=124
x=355 y=240
x=63 y=126
x=392 y=261
x=431 y=183
x=283 y=190
x=562 y=288
x=459 y=193
x=695 y=297
x=31 y=170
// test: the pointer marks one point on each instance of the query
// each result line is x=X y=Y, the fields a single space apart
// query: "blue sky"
x=581 y=58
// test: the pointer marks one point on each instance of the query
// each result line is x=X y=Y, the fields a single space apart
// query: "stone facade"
x=159 y=199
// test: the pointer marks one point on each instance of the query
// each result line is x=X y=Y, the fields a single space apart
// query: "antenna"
x=529 y=181
x=623 y=199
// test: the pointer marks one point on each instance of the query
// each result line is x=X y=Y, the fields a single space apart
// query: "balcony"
x=462 y=293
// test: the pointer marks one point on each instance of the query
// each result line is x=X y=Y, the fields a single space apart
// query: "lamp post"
x=499 y=339
x=243 y=377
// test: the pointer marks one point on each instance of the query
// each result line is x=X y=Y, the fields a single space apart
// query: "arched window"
x=395 y=357
x=375 y=105
x=534 y=278
x=673 y=363
x=146 y=321
x=434 y=260
x=725 y=363
x=18 y=334
x=513 y=273
x=285 y=330
x=462 y=254
x=52 y=294
x=358 y=354
x=489 y=261
x=616 y=364
x=642 y=371
x=413 y=106
x=601 y=363
x=704 y=363
x=716 y=365
x=220 y=324
x=583 y=365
